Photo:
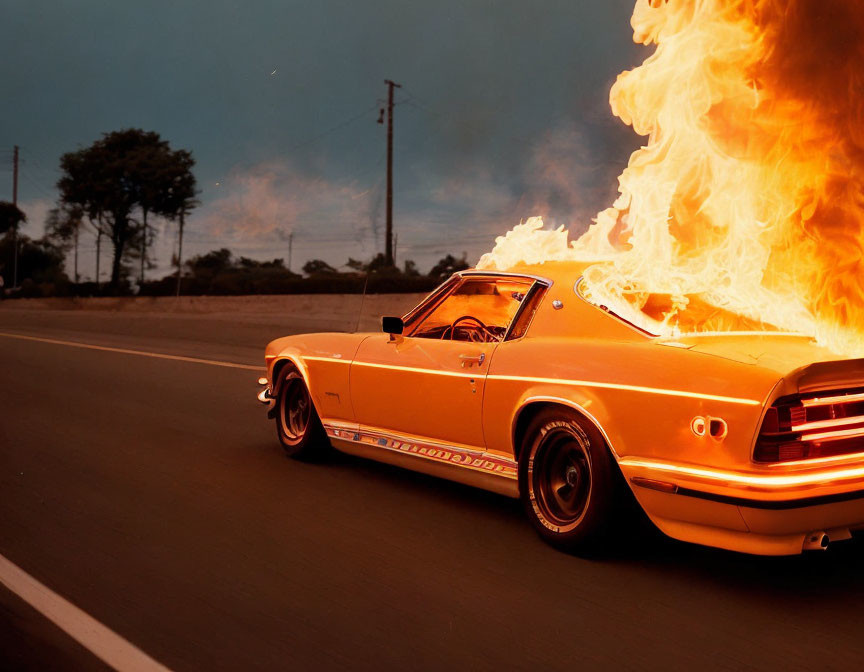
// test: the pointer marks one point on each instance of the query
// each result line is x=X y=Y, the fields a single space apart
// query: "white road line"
x=142 y=353
x=86 y=630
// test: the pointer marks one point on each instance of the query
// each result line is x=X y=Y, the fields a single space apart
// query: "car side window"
x=479 y=310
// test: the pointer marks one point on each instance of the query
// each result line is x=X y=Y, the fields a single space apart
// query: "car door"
x=429 y=382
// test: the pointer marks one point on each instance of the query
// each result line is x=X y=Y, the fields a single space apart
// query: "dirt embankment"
x=302 y=312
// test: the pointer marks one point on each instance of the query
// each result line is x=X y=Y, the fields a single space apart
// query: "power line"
x=36 y=184
x=332 y=130
x=420 y=103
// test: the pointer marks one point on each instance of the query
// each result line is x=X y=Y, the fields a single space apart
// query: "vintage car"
x=516 y=383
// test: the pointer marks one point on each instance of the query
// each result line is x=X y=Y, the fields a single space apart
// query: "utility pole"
x=15 y=203
x=143 y=249
x=290 y=249
x=388 y=250
x=98 y=247
x=77 y=229
x=180 y=249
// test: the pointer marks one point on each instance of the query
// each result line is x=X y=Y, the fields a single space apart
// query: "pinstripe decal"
x=462 y=457
x=554 y=381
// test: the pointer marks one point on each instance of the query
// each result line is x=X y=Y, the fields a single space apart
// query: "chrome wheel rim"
x=559 y=477
x=295 y=408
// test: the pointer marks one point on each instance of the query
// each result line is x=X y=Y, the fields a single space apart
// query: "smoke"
x=561 y=180
x=272 y=200
x=556 y=181
x=461 y=211
x=36 y=211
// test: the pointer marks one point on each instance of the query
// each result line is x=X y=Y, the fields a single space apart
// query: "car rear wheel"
x=297 y=424
x=568 y=481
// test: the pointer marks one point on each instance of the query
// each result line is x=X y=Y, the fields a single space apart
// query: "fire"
x=745 y=206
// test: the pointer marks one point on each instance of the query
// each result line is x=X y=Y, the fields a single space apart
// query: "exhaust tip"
x=816 y=541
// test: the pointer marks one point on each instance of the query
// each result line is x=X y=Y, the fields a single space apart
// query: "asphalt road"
x=152 y=494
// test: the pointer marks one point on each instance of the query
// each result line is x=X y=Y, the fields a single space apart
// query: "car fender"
x=324 y=361
x=585 y=402
x=287 y=355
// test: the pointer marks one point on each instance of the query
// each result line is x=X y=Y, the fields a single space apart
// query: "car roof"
x=575 y=317
x=550 y=271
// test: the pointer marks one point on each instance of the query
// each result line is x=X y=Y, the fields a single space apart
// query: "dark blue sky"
x=504 y=113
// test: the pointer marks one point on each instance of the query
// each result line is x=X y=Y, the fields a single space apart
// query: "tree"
x=168 y=189
x=378 y=264
x=63 y=227
x=318 y=267
x=39 y=261
x=217 y=261
x=254 y=265
x=122 y=174
x=186 y=205
x=447 y=267
x=11 y=217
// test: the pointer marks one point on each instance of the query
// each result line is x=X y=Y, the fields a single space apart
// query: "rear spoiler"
x=842 y=373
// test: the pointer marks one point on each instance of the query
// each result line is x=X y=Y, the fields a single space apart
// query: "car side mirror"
x=392 y=325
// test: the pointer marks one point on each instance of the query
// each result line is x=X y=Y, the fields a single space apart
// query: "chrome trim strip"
x=851 y=458
x=839 y=399
x=506 y=274
x=476 y=460
x=536 y=288
x=823 y=424
x=835 y=435
x=341 y=424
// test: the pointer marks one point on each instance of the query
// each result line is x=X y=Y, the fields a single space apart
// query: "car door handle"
x=468 y=360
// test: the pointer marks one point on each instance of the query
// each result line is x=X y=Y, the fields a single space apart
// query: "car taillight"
x=803 y=427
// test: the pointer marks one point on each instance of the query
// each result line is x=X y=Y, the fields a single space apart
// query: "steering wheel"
x=472 y=333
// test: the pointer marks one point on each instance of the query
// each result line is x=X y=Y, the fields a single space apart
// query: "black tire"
x=297 y=423
x=568 y=481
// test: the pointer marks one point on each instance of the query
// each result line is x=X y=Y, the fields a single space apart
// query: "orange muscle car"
x=514 y=382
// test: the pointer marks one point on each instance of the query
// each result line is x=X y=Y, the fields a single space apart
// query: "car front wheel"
x=297 y=424
x=568 y=481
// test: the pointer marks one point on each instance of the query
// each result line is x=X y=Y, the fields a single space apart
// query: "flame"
x=745 y=207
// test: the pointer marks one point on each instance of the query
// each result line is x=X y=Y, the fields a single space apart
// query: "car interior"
x=478 y=310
